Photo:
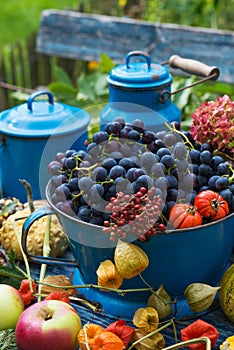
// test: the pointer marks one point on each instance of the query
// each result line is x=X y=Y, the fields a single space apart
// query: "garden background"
x=20 y=22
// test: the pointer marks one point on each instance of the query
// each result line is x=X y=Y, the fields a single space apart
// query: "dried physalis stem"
x=200 y=296
x=143 y=342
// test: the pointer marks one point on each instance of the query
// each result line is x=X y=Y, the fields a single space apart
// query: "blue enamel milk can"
x=141 y=89
x=30 y=136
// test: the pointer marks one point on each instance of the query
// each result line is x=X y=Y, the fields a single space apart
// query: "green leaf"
x=62 y=76
x=7 y=271
x=86 y=86
x=106 y=63
x=11 y=257
x=215 y=88
x=63 y=92
x=10 y=276
x=8 y=207
x=101 y=87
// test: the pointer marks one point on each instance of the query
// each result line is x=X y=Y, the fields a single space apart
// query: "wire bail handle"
x=193 y=67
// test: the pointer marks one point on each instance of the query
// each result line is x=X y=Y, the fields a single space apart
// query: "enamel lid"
x=42 y=118
x=143 y=74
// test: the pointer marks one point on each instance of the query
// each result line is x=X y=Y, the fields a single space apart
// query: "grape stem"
x=231 y=178
x=88 y=169
x=180 y=133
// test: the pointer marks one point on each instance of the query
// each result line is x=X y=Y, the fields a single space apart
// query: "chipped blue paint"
x=83 y=36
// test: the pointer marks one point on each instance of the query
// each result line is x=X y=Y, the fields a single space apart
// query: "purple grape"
x=206 y=157
x=100 y=136
x=54 y=167
x=227 y=195
x=99 y=174
x=168 y=161
x=117 y=171
x=134 y=135
x=222 y=183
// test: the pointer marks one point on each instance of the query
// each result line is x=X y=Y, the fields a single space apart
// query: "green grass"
x=19 y=18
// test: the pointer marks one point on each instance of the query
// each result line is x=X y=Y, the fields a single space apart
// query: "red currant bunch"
x=136 y=214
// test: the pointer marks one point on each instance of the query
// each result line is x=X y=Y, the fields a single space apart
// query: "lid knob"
x=138 y=53
x=36 y=94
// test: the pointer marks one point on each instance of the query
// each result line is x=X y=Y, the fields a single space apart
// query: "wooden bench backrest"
x=84 y=36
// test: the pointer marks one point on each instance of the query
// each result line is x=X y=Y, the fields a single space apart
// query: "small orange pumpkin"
x=107 y=341
x=87 y=335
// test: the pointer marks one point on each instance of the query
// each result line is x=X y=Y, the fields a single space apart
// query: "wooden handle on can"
x=193 y=67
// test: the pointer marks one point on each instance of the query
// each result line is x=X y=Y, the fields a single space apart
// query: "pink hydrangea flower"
x=213 y=122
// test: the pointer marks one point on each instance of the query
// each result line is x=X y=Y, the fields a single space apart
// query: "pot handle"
x=37 y=214
x=138 y=53
x=195 y=67
x=39 y=93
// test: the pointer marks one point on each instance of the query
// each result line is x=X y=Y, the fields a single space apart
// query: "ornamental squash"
x=9 y=241
x=226 y=293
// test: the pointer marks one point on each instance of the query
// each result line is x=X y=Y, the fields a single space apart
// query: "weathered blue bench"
x=82 y=36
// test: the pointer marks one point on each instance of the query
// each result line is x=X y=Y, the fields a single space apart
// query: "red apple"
x=48 y=325
x=11 y=306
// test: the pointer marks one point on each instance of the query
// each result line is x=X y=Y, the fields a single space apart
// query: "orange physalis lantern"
x=108 y=275
x=107 y=341
x=87 y=334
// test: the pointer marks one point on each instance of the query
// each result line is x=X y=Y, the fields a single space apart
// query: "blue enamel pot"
x=176 y=258
x=30 y=135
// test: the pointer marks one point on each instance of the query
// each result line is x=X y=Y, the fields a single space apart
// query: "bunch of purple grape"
x=125 y=158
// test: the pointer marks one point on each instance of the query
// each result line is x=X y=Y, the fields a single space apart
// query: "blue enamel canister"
x=30 y=136
x=135 y=91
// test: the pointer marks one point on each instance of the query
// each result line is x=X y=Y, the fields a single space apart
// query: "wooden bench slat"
x=75 y=35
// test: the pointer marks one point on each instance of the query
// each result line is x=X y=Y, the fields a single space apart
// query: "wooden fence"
x=23 y=69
